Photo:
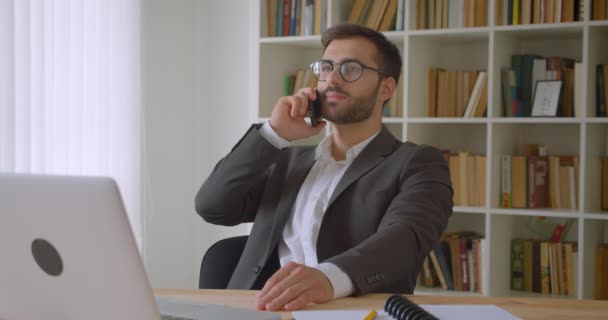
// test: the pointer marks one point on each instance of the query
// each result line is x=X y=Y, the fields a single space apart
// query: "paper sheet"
x=443 y=312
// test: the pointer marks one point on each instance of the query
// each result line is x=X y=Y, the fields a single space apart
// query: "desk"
x=525 y=308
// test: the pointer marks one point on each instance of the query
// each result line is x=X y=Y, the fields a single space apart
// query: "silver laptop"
x=67 y=252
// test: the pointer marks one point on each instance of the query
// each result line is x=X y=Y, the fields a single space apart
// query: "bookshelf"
x=477 y=48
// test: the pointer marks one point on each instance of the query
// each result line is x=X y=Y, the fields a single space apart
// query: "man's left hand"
x=293 y=287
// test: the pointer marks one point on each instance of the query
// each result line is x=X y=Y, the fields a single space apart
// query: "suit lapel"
x=372 y=155
x=295 y=179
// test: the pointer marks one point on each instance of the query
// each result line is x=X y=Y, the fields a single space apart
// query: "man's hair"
x=388 y=59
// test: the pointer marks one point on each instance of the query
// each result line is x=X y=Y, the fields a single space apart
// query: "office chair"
x=219 y=262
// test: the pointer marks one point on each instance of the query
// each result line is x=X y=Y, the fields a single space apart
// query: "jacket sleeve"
x=390 y=260
x=231 y=193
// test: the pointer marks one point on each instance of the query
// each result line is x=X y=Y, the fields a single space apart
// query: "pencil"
x=371 y=315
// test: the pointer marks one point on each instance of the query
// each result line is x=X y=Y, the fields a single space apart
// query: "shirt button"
x=257 y=269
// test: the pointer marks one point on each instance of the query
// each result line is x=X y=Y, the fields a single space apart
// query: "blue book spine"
x=279 y=18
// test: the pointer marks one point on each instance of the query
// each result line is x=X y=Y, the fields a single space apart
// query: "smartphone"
x=314 y=111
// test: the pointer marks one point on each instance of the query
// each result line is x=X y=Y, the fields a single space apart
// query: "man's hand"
x=287 y=118
x=293 y=287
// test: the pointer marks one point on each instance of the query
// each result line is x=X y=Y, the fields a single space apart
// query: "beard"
x=359 y=109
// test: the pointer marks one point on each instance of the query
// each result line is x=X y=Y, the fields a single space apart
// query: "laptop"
x=67 y=252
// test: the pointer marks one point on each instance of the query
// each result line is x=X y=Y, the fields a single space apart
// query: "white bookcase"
x=483 y=48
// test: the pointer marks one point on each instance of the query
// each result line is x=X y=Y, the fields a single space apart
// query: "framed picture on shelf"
x=546 y=98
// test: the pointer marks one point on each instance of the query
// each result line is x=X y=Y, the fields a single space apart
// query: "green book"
x=517 y=264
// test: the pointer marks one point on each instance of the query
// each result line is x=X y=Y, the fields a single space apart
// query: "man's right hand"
x=287 y=118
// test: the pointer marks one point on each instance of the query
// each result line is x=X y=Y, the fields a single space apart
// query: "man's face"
x=345 y=102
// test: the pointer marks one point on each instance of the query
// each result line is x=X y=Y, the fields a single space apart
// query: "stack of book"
x=381 y=15
x=468 y=174
x=457 y=93
x=535 y=180
x=456 y=263
x=515 y=12
x=295 y=17
x=520 y=79
x=544 y=267
x=440 y=14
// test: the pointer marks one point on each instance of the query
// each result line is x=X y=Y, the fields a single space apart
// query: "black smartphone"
x=314 y=111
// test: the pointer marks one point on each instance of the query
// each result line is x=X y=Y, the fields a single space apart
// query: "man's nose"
x=334 y=77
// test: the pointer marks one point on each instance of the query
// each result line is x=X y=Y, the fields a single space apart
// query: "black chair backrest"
x=220 y=261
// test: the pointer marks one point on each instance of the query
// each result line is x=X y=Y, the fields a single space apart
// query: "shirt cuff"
x=269 y=134
x=342 y=284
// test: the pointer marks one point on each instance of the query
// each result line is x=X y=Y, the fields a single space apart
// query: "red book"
x=538 y=182
x=464 y=264
x=286 y=17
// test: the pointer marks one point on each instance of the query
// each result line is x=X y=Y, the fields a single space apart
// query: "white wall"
x=195 y=80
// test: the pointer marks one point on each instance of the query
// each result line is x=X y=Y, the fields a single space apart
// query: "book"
x=506 y=195
x=551 y=228
x=519 y=178
x=517 y=264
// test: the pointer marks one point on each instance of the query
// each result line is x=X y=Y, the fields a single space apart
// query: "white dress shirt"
x=299 y=240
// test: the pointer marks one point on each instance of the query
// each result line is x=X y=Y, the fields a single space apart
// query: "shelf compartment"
x=467 y=221
x=596 y=148
x=561 y=139
x=505 y=228
x=396 y=129
x=278 y=62
x=598 y=54
x=561 y=42
x=594 y=233
x=450 y=136
x=426 y=52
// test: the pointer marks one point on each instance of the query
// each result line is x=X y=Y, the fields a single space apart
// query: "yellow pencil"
x=371 y=315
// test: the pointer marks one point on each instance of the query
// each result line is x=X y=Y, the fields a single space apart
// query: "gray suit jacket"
x=388 y=210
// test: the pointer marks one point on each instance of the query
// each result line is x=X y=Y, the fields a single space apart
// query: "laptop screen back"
x=67 y=251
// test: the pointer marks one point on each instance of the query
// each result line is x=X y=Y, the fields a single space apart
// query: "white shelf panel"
x=442 y=292
x=596 y=120
x=598 y=216
x=537 y=120
x=392 y=120
x=453 y=35
x=461 y=209
x=447 y=120
x=537 y=212
x=543 y=30
x=601 y=23
x=398 y=37
x=296 y=41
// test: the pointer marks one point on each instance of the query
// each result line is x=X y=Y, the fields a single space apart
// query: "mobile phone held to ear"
x=314 y=111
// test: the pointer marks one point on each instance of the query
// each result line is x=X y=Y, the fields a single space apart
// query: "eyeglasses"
x=350 y=70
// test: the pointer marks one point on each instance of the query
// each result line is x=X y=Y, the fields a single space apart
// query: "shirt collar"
x=323 y=150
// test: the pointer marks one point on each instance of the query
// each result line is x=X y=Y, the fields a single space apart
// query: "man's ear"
x=388 y=88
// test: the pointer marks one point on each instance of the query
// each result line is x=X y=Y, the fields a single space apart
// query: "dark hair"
x=389 y=58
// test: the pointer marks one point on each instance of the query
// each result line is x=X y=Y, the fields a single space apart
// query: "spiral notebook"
x=402 y=308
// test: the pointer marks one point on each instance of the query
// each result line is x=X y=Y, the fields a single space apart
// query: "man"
x=356 y=214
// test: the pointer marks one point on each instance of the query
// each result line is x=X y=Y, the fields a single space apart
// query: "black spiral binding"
x=402 y=308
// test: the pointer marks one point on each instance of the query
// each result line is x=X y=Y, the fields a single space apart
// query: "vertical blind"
x=70 y=93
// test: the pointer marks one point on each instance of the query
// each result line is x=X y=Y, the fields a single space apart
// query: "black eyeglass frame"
x=333 y=64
